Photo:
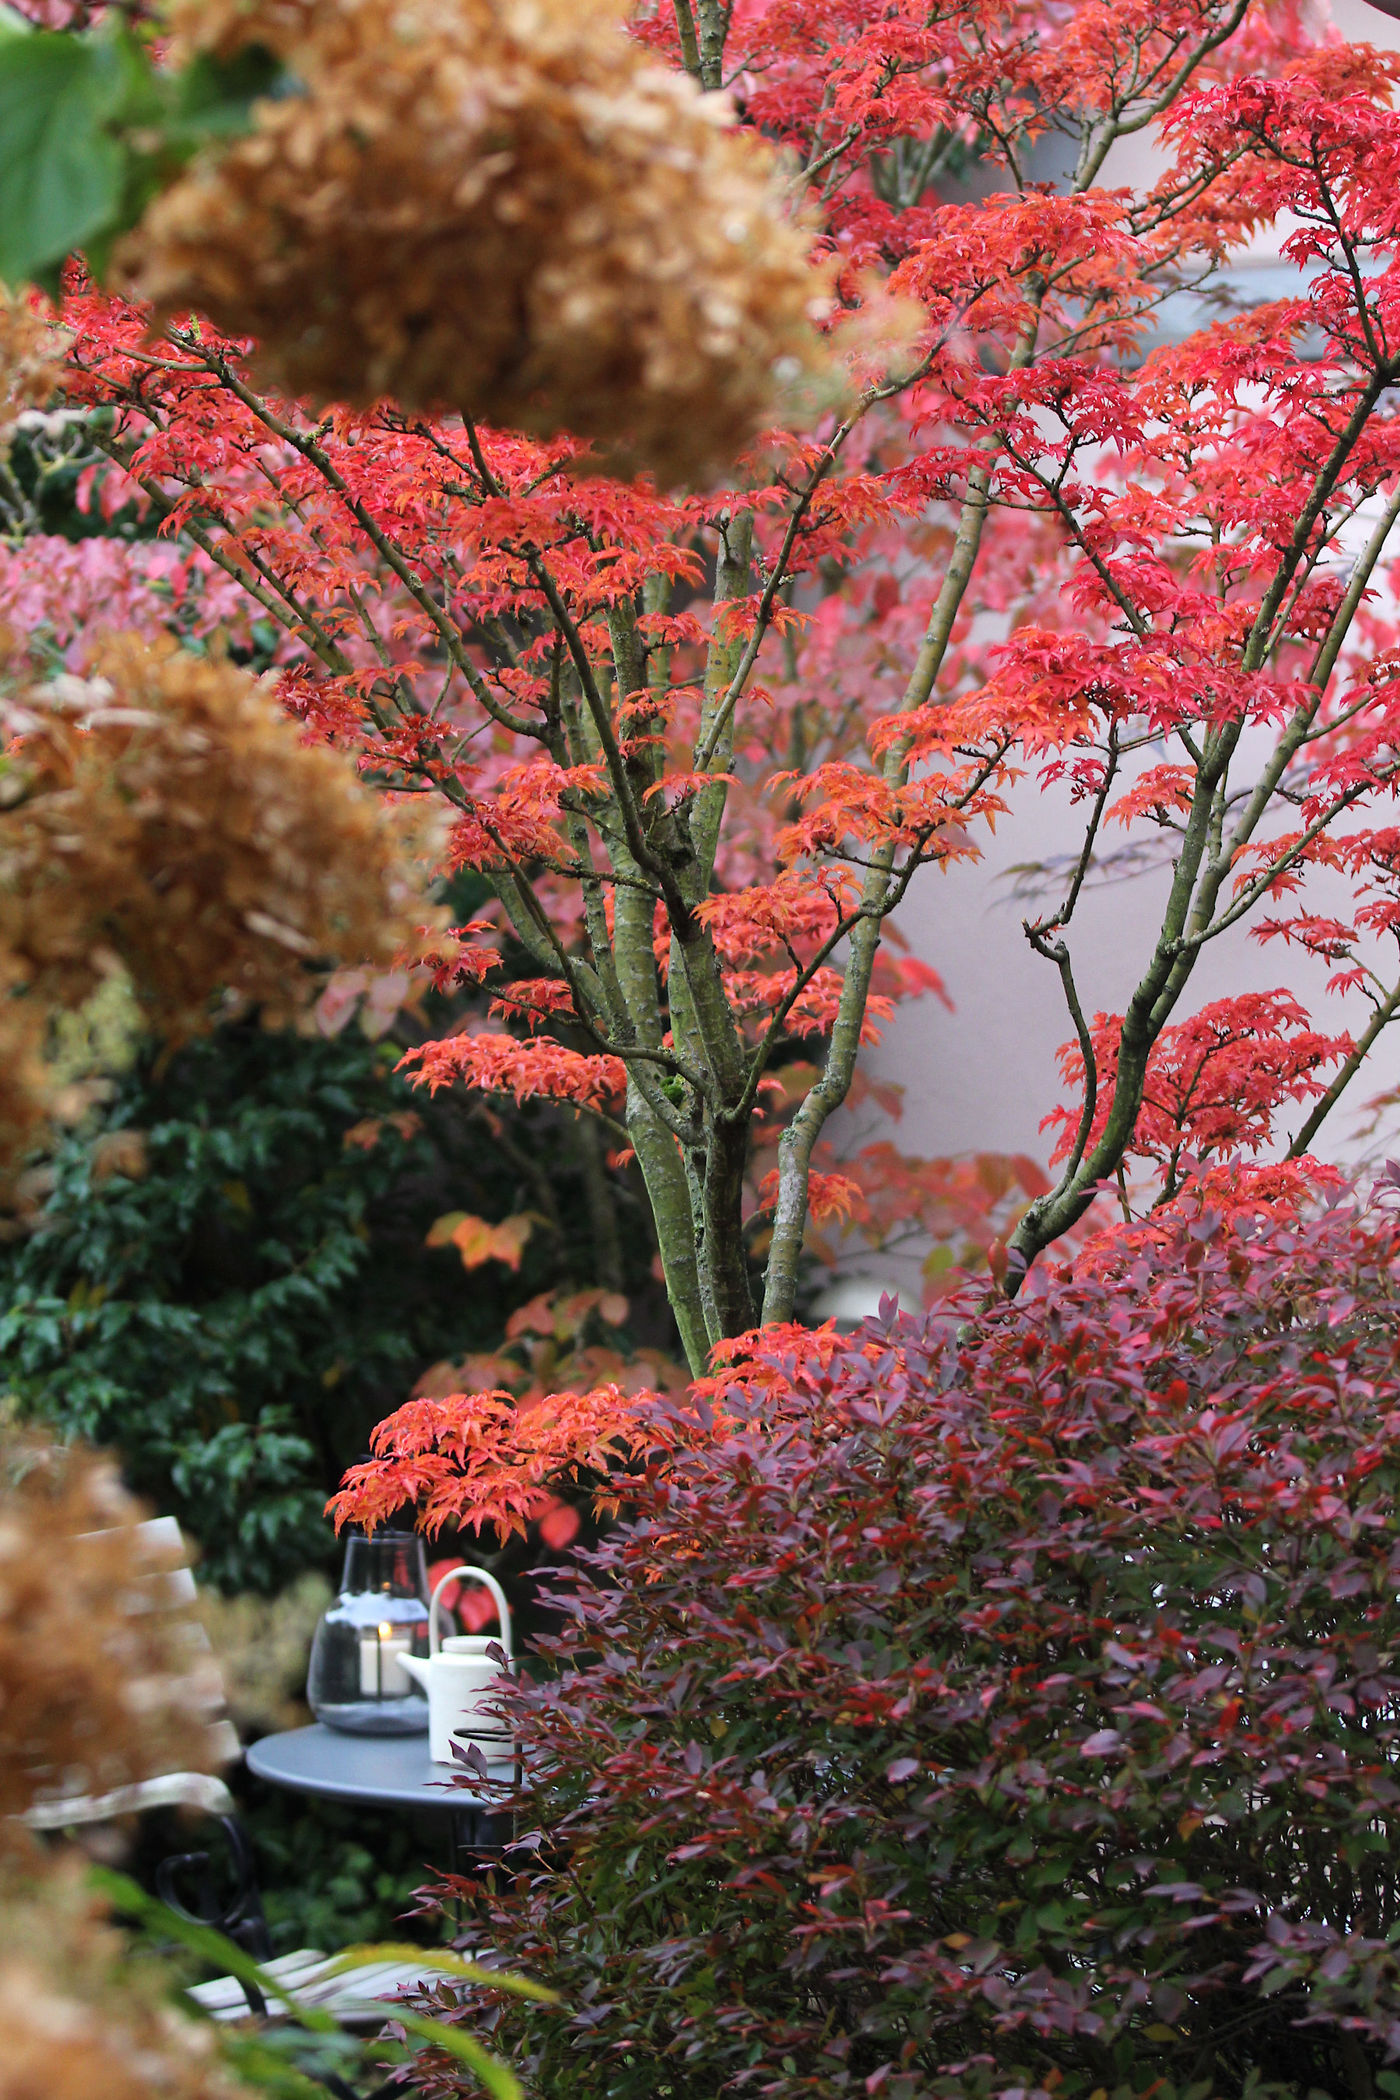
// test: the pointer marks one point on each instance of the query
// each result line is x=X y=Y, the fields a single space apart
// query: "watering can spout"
x=417 y=1668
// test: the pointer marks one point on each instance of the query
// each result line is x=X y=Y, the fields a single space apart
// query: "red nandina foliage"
x=1006 y=1704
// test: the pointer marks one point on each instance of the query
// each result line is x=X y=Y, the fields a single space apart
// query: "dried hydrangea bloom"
x=102 y=1682
x=166 y=816
x=31 y=359
x=502 y=207
x=78 y=2020
x=24 y=1087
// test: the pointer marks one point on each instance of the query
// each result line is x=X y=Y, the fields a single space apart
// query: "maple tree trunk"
x=668 y=1192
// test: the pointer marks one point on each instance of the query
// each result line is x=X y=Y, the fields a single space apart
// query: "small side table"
x=384 y=1771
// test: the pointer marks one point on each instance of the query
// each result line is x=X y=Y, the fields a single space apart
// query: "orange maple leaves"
x=1215 y=1082
x=477 y=1242
x=483 y=1461
x=498 y=1064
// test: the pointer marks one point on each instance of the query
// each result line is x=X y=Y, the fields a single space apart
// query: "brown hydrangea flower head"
x=25 y=1091
x=31 y=359
x=501 y=207
x=166 y=816
x=102 y=1682
x=79 y=2019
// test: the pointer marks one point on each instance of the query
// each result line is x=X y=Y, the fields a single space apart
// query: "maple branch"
x=1348 y=248
x=796 y=1145
x=1205 y=927
x=668 y=1192
x=928 y=661
x=356 y=597
x=778 y=573
x=588 y=988
x=1322 y=1108
x=705 y=750
x=548 y=951
x=1124 y=126
x=300 y=622
x=1086 y=853
x=732 y=572
x=1325 y=661
x=578 y=976
x=290 y=613
x=690 y=46
x=316 y=456
x=1154 y=999
x=1307 y=570
x=535 y=933
x=1250 y=896
x=824 y=160
x=1324 y=481
x=967 y=542
x=595 y=911
x=1320 y=731
x=713 y=25
x=803 y=975
x=1147 y=1013
x=1299 y=730
x=895 y=892
x=1069 y=518
x=798 y=1141
x=599 y=712
x=1074 y=340
x=1057 y=953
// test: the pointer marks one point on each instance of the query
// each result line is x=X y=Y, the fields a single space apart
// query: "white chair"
x=357 y=1999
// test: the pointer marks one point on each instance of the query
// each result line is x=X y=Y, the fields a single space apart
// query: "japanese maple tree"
x=701 y=743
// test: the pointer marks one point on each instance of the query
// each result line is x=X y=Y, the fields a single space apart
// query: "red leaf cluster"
x=534 y=1071
x=1215 y=1083
x=1154 y=577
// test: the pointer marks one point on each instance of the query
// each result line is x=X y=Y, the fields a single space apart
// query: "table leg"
x=476 y=1835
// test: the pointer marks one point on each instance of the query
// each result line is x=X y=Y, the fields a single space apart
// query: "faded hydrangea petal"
x=500 y=207
x=165 y=817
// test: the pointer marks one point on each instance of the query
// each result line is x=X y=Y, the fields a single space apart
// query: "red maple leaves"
x=1216 y=1083
x=498 y=1064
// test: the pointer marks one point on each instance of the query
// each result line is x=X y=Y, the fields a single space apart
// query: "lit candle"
x=382 y=1675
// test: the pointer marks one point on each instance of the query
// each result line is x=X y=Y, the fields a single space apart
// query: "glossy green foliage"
x=235 y=1319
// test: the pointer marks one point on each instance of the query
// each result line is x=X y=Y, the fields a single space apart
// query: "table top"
x=394 y=1771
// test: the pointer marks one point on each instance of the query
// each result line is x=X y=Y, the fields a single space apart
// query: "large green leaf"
x=61 y=170
x=90 y=131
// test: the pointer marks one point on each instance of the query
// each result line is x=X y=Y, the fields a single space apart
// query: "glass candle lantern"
x=357 y=1682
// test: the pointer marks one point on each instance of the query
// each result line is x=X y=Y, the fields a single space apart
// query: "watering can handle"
x=488 y=1582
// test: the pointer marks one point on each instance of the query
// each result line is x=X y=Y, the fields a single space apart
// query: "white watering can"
x=461 y=1679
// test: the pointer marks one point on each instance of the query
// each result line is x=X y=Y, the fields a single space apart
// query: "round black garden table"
x=393 y=1771
x=387 y=1771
